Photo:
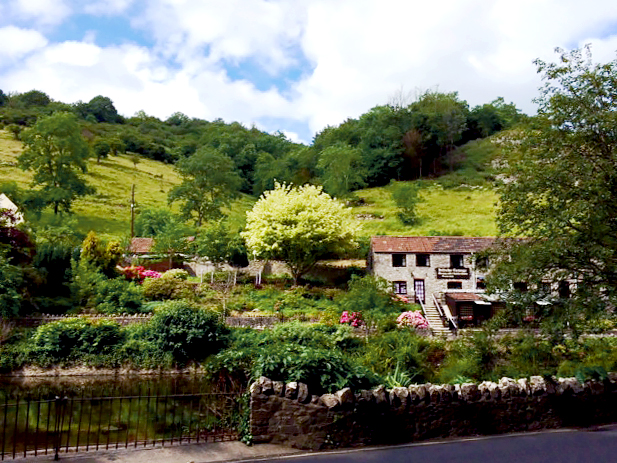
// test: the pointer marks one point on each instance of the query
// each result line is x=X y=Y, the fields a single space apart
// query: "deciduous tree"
x=299 y=225
x=341 y=169
x=210 y=182
x=57 y=154
x=562 y=196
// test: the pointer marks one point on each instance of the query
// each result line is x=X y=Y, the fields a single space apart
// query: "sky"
x=294 y=66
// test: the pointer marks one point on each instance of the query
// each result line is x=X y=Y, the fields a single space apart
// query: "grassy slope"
x=108 y=211
x=455 y=211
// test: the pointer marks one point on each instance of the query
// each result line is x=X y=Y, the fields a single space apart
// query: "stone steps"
x=434 y=320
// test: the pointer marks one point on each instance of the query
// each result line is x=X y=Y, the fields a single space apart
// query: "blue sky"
x=290 y=66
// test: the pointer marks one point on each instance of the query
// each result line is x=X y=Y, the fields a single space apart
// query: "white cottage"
x=438 y=272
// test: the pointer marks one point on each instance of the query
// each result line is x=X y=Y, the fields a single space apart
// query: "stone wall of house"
x=381 y=265
x=289 y=414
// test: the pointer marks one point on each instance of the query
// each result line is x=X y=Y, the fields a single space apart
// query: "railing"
x=41 y=426
x=438 y=308
x=445 y=311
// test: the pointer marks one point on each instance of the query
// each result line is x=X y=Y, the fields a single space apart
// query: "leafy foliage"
x=209 y=182
x=406 y=197
x=299 y=226
x=162 y=289
x=56 y=152
x=117 y=296
x=187 y=332
x=563 y=197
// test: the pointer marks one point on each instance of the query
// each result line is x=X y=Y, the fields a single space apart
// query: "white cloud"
x=107 y=7
x=18 y=42
x=361 y=52
x=42 y=12
x=365 y=50
x=233 y=30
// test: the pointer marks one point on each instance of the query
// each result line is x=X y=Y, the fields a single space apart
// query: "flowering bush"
x=402 y=298
x=151 y=274
x=133 y=273
x=412 y=319
x=354 y=319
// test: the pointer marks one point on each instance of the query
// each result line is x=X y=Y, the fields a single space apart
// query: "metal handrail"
x=446 y=312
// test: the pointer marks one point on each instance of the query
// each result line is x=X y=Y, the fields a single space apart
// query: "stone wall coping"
x=505 y=388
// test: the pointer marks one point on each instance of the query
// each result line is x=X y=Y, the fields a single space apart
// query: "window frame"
x=423 y=256
x=454 y=257
x=402 y=257
x=400 y=287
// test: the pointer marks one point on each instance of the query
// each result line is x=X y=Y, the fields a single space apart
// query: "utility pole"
x=133 y=211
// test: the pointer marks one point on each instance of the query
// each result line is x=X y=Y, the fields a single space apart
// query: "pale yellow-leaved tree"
x=300 y=226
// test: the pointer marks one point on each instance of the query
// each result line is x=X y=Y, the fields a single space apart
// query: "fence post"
x=59 y=423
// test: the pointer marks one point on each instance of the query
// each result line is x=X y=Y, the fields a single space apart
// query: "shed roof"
x=464 y=297
x=430 y=244
x=141 y=245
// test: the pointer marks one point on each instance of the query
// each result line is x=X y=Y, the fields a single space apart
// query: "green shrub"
x=415 y=356
x=141 y=351
x=118 y=296
x=162 y=289
x=321 y=369
x=175 y=274
x=187 y=332
x=72 y=339
x=318 y=355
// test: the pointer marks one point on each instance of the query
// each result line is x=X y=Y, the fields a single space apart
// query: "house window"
x=520 y=286
x=480 y=283
x=400 y=287
x=456 y=261
x=455 y=285
x=482 y=263
x=545 y=288
x=564 y=289
x=422 y=260
x=398 y=260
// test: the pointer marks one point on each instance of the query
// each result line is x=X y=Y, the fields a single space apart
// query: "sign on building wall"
x=453 y=273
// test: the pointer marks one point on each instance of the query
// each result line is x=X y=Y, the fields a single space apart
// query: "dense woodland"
x=397 y=141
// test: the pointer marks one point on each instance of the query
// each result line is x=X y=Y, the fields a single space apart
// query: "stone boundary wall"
x=288 y=414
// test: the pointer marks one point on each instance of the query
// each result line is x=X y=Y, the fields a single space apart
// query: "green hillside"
x=108 y=211
x=456 y=211
x=461 y=210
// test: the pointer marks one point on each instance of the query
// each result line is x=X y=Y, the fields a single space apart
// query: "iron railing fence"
x=32 y=426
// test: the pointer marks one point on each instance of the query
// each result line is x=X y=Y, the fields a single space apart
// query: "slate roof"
x=430 y=244
x=141 y=245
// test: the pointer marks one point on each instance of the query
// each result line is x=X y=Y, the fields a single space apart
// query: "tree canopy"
x=562 y=193
x=56 y=152
x=298 y=225
x=209 y=183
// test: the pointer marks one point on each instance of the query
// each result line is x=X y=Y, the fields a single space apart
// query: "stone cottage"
x=441 y=273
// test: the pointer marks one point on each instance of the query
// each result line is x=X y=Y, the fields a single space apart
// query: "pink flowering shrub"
x=151 y=274
x=413 y=320
x=354 y=319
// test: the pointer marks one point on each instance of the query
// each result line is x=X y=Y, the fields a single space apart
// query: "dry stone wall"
x=288 y=414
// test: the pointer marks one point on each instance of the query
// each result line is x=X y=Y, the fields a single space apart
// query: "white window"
x=400 y=287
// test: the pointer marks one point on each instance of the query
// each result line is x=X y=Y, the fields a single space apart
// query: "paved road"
x=598 y=446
